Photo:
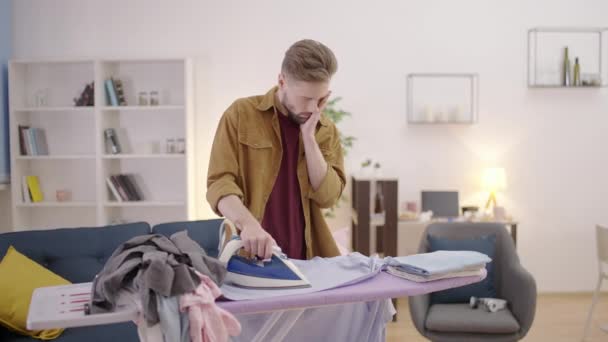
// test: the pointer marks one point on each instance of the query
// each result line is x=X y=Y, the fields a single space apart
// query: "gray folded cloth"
x=439 y=262
x=153 y=265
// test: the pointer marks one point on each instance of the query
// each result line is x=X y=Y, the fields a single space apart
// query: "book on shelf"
x=111 y=93
x=26 y=196
x=136 y=190
x=32 y=141
x=41 y=144
x=120 y=92
x=124 y=187
x=115 y=92
x=22 y=145
x=119 y=188
x=113 y=189
x=31 y=189
x=128 y=187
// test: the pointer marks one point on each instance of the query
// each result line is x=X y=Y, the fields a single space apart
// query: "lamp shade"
x=494 y=179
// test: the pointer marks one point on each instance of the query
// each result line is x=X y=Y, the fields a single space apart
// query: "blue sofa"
x=78 y=254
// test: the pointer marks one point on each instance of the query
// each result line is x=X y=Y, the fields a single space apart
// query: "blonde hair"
x=310 y=61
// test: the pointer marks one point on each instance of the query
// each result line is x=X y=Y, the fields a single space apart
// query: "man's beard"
x=295 y=118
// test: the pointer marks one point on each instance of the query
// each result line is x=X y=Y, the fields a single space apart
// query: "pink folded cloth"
x=208 y=322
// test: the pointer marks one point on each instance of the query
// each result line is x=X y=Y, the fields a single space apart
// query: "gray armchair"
x=458 y=322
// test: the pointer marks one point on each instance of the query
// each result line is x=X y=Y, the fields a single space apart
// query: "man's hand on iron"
x=257 y=241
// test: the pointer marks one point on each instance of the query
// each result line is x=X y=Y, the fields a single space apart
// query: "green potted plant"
x=336 y=114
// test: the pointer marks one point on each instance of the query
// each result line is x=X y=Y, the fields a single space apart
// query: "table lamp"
x=494 y=179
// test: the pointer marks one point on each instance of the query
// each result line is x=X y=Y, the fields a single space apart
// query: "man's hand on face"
x=308 y=127
x=256 y=240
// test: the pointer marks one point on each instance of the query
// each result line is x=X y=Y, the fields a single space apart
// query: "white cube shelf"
x=78 y=160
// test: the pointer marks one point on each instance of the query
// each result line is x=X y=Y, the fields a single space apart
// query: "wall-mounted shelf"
x=546 y=50
x=442 y=98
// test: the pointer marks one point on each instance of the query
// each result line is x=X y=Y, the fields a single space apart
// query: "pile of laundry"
x=176 y=284
x=437 y=265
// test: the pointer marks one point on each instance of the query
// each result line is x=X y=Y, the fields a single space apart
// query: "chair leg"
x=596 y=297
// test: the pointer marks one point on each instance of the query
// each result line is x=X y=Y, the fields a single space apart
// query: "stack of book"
x=124 y=187
x=30 y=190
x=32 y=141
x=115 y=92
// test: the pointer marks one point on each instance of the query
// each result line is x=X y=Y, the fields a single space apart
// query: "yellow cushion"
x=19 y=276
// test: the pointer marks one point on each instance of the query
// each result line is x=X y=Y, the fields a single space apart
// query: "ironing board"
x=63 y=306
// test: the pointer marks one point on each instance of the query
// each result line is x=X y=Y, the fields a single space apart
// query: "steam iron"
x=248 y=271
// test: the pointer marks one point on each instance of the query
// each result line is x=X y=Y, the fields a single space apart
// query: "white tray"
x=63 y=306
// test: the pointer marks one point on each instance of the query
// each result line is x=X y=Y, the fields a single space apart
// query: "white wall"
x=549 y=141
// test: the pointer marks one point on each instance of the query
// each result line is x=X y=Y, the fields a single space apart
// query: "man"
x=276 y=160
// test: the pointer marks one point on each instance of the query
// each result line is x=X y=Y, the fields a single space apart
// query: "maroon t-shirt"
x=283 y=216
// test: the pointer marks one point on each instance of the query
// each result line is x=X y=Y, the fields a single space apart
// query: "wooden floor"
x=559 y=317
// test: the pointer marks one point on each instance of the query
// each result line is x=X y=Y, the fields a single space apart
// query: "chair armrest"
x=419 y=308
x=519 y=289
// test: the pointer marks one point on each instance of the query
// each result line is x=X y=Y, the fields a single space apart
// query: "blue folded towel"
x=439 y=262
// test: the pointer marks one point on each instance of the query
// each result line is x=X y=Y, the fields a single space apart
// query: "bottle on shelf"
x=379 y=208
x=577 y=73
x=154 y=101
x=566 y=81
x=379 y=199
x=180 y=145
x=379 y=211
x=170 y=146
x=143 y=99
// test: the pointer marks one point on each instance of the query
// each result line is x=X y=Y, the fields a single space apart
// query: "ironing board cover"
x=63 y=306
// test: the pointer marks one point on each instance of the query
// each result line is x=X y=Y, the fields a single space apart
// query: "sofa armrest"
x=519 y=289
x=419 y=308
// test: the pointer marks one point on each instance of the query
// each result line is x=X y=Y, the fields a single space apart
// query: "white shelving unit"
x=78 y=160
x=442 y=98
x=546 y=47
